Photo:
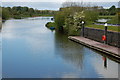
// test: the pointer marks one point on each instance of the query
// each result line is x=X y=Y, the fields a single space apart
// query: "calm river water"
x=30 y=50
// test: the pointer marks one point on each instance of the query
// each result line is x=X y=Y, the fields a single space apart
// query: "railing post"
x=105 y=32
x=82 y=28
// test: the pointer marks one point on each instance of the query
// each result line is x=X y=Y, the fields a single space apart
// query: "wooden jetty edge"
x=110 y=50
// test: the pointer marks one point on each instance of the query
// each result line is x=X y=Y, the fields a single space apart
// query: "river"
x=30 y=50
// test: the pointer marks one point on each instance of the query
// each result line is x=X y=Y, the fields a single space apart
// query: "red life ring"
x=104 y=38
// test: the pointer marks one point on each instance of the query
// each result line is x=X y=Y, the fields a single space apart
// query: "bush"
x=60 y=19
x=73 y=24
x=0 y=12
x=50 y=24
x=5 y=14
x=91 y=16
x=115 y=20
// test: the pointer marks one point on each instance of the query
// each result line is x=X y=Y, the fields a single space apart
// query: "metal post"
x=105 y=33
x=82 y=28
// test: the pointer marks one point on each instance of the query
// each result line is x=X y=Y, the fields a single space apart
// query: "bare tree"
x=83 y=5
x=72 y=4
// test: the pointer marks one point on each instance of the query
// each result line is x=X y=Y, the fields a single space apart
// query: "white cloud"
x=59 y=0
x=33 y=0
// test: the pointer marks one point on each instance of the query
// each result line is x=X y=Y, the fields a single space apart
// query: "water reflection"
x=105 y=61
x=39 y=18
x=0 y=42
x=33 y=51
x=0 y=55
x=85 y=60
x=67 y=50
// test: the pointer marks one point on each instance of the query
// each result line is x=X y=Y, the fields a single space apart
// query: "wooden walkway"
x=113 y=51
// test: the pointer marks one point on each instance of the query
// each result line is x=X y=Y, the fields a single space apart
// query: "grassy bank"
x=110 y=28
x=106 y=17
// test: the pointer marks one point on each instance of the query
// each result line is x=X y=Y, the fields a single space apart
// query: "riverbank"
x=110 y=50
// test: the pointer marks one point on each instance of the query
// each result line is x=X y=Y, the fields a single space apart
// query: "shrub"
x=5 y=14
x=50 y=24
x=115 y=20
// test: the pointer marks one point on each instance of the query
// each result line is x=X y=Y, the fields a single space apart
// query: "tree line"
x=111 y=11
x=18 y=12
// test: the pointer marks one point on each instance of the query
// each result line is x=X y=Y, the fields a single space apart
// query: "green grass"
x=45 y=15
x=106 y=17
x=110 y=28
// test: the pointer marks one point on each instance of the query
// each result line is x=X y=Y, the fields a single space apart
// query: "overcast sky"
x=59 y=0
x=54 y=4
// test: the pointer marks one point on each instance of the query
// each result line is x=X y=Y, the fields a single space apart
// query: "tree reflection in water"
x=71 y=52
x=0 y=44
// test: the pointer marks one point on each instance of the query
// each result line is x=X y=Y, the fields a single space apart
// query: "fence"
x=113 y=38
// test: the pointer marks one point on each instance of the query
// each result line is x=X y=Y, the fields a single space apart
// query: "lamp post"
x=105 y=32
x=83 y=28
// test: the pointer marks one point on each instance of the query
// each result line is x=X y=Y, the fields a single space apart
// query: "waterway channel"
x=30 y=50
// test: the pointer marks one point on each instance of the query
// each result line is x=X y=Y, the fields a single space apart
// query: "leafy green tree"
x=112 y=10
x=91 y=16
x=59 y=20
x=5 y=14
x=24 y=9
x=31 y=11
x=0 y=12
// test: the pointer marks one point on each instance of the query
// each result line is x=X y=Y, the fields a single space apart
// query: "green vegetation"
x=5 y=14
x=115 y=19
x=0 y=12
x=0 y=18
x=110 y=28
x=106 y=17
x=111 y=11
x=69 y=17
x=19 y=12
x=50 y=24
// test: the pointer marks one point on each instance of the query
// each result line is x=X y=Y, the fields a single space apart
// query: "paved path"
x=111 y=50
